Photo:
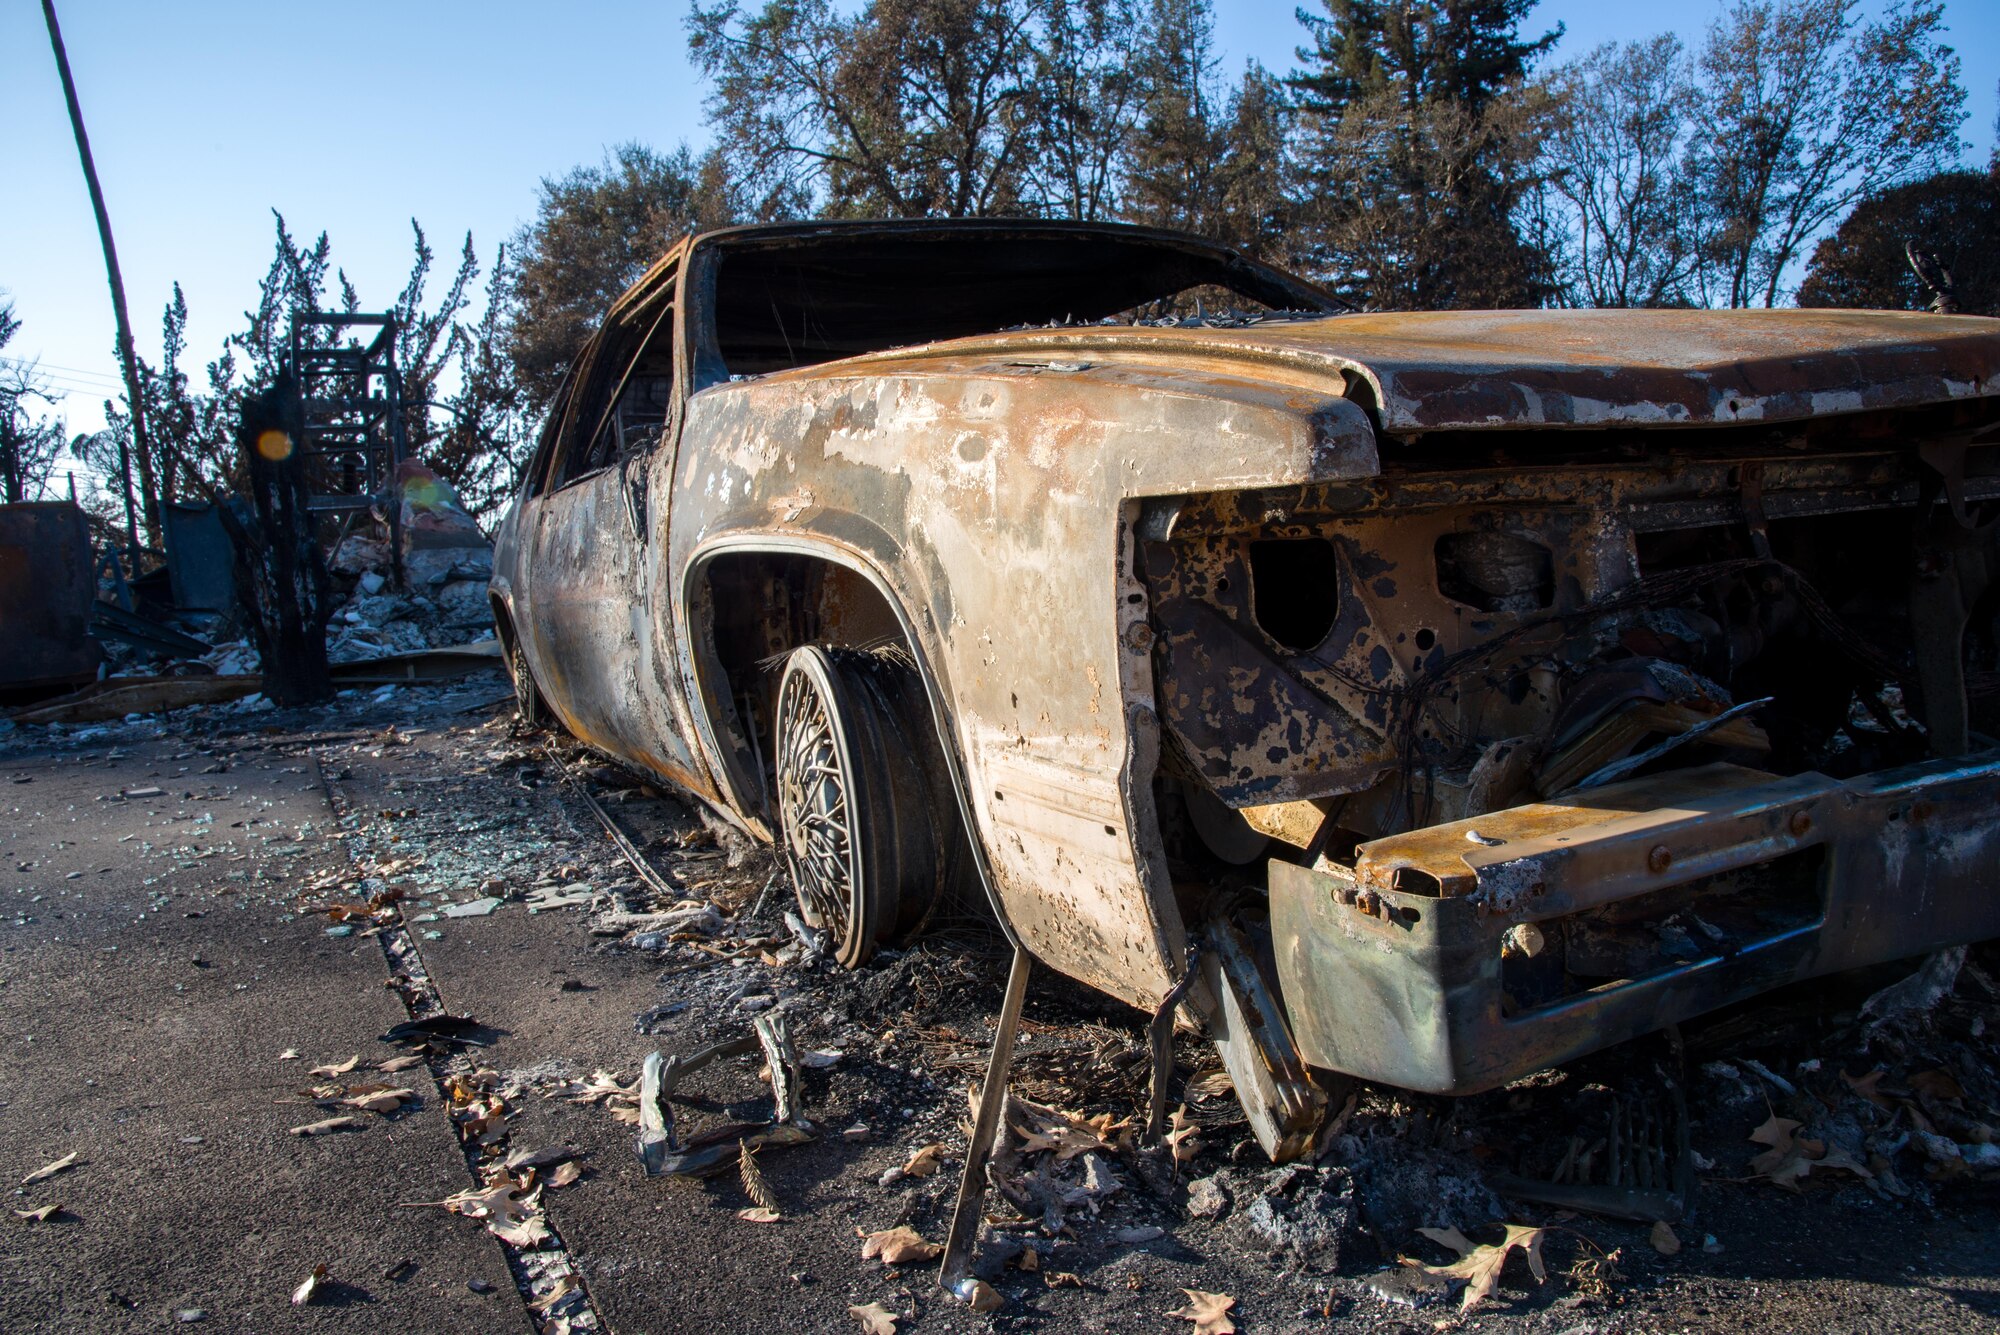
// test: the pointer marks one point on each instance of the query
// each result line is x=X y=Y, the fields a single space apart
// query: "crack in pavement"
x=550 y=1283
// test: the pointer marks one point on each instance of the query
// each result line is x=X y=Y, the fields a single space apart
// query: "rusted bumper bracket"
x=1393 y=971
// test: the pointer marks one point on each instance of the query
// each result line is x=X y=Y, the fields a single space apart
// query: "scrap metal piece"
x=774 y=1032
x=1160 y=1037
x=45 y=595
x=955 y=1272
x=1247 y=1023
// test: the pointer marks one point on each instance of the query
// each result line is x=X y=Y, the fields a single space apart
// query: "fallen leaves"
x=380 y=1100
x=509 y=1212
x=760 y=1214
x=337 y=1068
x=49 y=1170
x=1479 y=1265
x=326 y=1126
x=894 y=1246
x=1791 y=1156
x=1665 y=1241
x=1181 y=1138
x=310 y=1287
x=39 y=1214
x=1208 y=1311
x=1065 y=1134
x=875 y=1319
x=983 y=1297
x=925 y=1161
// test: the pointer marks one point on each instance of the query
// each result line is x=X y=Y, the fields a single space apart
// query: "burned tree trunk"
x=281 y=578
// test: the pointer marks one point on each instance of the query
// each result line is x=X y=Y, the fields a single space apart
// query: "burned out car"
x=1429 y=697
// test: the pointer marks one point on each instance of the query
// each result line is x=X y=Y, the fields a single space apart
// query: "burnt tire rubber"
x=527 y=695
x=868 y=823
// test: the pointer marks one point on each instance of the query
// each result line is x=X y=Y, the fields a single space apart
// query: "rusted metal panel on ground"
x=46 y=593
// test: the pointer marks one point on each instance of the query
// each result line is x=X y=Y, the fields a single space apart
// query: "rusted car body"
x=1453 y=693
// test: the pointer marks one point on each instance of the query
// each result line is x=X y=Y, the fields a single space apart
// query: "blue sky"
x=206 y=114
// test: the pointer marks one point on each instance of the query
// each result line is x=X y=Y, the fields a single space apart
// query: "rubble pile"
x=446 y=564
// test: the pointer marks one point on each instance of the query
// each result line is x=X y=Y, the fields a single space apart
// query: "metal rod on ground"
x=661 y=885
x=125 y=354
x=955 y=1274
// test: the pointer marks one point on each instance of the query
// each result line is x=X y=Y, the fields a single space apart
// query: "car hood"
x=1459 y=370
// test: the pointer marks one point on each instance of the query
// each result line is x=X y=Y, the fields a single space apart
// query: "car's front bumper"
x=1395 y=972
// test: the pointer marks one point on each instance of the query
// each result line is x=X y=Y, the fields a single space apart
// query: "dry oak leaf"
x=984 y=1297
x=1208 y=1311
x=565 y=1173
x=320 y=1128
x=1452 y=1238
x=507 y=1217
x=1480 y=1268
x=925 y=1161
x=893 y=1246
x=337 y=1068
x=759 y=1214
x=1791 y=1157
x=549 y=1301
x=49 y=1170
x=308 y=1288
x=1865 y=1086
x=1064 y=1279
x=40 y=1214
x=1182 y=1139
x=875 y=1319
x=1665 y=1241
x=380 y=1100
x=402 y=1063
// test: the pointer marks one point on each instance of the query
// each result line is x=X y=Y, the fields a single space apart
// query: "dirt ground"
x=201 y=909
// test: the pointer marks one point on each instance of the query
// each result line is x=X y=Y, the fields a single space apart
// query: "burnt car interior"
x=1573 y=625
x=790 y=302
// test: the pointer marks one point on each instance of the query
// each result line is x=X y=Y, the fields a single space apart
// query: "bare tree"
x=908 y=109
x=1801 y=111
x=30 y=440
x=1614 y=176
x=1090 y=84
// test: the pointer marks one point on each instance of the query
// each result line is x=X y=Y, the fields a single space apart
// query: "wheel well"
x=503 y=623
x=748 y=611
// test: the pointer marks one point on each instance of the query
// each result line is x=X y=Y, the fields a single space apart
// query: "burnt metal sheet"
x=201 y=563
x=1406 y=986
x=1523 y=370
x=46 y=593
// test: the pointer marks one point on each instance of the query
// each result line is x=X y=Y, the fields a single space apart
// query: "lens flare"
x=274 y=445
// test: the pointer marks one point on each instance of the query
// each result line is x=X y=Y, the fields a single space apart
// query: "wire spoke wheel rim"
x=815 y=807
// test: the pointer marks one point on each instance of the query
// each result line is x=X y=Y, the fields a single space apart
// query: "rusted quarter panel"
x=993 y=497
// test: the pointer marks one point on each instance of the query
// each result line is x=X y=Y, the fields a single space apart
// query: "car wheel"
x=527 y=695
x=868 y=825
